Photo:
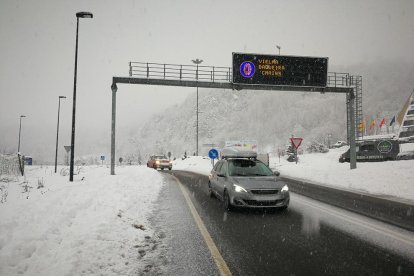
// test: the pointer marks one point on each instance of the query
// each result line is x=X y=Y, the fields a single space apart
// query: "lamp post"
x=197 y=62
x=72 y=143
x=20 y=130
x=278 y=47
x=57 y=133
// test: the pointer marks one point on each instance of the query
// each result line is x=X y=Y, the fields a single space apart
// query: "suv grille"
x=263 y=203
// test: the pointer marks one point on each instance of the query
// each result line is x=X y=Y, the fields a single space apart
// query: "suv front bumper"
x=163 y=166
x=255 y=201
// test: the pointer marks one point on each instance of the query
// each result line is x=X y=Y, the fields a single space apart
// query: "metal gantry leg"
x=114 y=89
x=352 y=132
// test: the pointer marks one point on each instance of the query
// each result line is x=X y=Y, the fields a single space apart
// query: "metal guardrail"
x=209 y=73
x=338 y=79
x=179 y=72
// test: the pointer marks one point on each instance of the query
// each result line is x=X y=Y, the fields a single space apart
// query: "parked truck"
x=374 y=150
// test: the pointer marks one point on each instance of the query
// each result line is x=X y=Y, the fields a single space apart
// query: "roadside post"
x=296 y=144
x=67 y=149
x=213 y=154
x=279 y=153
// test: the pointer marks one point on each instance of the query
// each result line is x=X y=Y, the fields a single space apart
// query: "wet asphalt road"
x=310 y=238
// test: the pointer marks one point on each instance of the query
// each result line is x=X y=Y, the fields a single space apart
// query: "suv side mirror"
x=276 y=173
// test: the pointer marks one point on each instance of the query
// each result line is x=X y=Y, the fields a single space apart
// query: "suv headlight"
x=239 y=189
x=157 y=162
x=285 y=188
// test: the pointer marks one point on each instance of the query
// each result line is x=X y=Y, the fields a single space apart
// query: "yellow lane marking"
x=218 y=259
x=373 y=227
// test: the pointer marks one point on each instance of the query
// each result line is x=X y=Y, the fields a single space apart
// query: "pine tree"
x=290 y=150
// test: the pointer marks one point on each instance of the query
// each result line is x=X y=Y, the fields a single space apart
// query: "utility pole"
x=20 y=130
x=57 y=133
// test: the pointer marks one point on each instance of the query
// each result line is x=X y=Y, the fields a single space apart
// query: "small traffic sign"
x=213 y=154
x=296 y=142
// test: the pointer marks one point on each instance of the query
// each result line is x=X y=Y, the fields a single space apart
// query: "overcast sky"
x=38 y=50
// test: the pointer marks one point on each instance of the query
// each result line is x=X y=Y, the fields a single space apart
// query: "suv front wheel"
x=210 y=191
x=226 y=201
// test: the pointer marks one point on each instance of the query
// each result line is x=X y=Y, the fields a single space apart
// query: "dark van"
x=374 y=150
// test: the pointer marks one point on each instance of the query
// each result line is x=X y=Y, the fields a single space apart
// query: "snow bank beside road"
x=94 y=226
x=197 y=164
x=390 y=178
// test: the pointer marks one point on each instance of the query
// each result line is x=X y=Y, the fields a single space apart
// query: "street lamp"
x=197 y=61
x=20 y=130
x=278 y=47
x=57 y=133
x=72 y=143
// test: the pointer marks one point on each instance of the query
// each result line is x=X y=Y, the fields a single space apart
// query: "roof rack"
x=235 y=153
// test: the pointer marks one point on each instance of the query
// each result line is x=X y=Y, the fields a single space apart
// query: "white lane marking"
x=407 y=239
x=218 y=259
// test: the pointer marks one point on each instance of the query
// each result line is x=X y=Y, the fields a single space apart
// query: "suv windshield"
x=245 y=167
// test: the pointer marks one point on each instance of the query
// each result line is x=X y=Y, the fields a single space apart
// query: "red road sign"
x=296 y=142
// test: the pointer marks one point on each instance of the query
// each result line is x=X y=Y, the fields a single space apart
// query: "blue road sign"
x=213 y=154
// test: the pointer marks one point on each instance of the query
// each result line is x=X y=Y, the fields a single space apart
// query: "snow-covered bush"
x=40 y=183
x=316 y=147
x=10 y=167
x=3 y=193
x=64 y=171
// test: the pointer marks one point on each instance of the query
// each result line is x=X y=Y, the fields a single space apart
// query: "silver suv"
x=239 y=179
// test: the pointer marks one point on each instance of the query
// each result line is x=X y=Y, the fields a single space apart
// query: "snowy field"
x=98 y=224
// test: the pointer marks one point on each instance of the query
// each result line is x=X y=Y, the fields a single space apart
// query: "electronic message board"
x=279 y=70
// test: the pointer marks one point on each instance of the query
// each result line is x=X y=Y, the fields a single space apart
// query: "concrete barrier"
x=390 y=211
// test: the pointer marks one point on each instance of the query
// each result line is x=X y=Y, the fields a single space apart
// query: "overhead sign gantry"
x=249 y=72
